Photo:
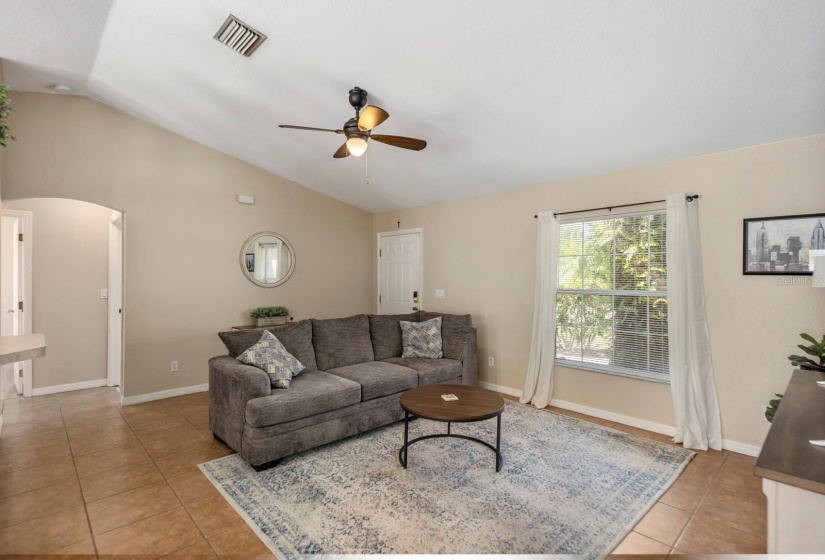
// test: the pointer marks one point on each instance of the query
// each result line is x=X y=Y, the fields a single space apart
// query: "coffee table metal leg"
x=402 y=454
x=499 y=458
x=448 y=428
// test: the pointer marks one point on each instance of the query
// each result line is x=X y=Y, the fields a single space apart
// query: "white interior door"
x=12 y=287
x=399 y=272
x=114 y=364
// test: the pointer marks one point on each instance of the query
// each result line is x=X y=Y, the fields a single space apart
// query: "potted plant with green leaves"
x=5 y=110
x=268 y=316
x=816 y=349
x=816 y=362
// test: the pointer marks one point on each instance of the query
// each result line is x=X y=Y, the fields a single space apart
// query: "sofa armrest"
x=231 y=385
x=469 y=359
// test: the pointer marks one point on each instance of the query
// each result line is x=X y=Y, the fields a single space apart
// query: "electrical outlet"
x=439 y=294
x=174 y=366
x=491 y=361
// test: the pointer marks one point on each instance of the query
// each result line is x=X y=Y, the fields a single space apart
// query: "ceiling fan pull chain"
x=367 y=168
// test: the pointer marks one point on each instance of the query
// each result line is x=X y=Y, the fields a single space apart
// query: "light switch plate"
x=439 y=294
x=104 y=293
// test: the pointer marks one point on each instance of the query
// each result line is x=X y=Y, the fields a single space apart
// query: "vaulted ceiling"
x=507 y=94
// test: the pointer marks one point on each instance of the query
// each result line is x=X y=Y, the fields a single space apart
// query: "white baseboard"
x=730 y=445
x=615 y=417
x=500 y=389
x=743 y=448
x=68 y=387
x=146 y=397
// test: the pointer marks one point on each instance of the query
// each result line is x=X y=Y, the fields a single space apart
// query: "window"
x=611 y=302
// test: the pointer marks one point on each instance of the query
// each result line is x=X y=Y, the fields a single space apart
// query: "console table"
x=793 y=470
x=257 y=328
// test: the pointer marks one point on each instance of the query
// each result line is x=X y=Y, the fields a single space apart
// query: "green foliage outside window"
x=5 y=111
x=611 y=305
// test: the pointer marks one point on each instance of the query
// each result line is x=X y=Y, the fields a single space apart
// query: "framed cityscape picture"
x=783 y=245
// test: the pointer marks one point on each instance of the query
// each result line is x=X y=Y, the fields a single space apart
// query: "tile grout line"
x=94 y=536
x=77 y=477
x=699 y=505
x=208 y=541
x=148 y=455
x=166 y=480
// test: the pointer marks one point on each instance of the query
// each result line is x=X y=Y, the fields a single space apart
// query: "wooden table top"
x=787 y=456
x=473 y=403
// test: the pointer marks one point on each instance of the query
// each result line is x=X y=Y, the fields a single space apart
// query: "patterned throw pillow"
x=421 y=340
x=271 y=356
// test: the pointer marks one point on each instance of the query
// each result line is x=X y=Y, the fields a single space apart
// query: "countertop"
x=21 y=347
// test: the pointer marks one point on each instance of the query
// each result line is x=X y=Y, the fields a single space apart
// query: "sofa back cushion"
x=385 y=333
x=342 y=342
x=454 y=332
x=296 y=338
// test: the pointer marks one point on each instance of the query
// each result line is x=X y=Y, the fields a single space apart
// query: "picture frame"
x=250 y=262
x=782 y=245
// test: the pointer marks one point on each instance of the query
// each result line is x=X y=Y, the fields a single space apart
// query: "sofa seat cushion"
x=429 y=371
x=309 y=393
x=378 y=379
x=341 y=342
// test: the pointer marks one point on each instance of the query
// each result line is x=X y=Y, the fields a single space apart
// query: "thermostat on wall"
x=246 y=199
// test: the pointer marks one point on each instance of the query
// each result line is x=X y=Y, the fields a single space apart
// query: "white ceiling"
x=507 y=94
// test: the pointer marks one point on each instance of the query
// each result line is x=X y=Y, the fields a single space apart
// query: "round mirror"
x=267 y=259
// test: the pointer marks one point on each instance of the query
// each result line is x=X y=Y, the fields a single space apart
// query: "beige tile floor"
x=81 y=475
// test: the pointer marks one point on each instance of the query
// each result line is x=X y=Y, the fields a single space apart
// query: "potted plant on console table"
x=268 y=316
x=817 y=350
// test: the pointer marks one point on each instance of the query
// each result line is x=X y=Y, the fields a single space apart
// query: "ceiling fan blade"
x=371 y=117
x=310 y=128
x=342 y=151
x=400 y=141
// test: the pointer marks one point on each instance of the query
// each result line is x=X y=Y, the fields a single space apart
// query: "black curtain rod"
x=689 y=198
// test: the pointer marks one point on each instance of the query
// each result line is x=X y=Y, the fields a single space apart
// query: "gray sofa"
x=353 y=382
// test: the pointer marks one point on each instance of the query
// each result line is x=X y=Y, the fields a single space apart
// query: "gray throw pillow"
x=422 y=340
x=271 y=356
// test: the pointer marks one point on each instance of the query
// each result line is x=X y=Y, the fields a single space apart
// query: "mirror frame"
x=258 y=235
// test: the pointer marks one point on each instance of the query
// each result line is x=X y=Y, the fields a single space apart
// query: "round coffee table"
x=473 y=405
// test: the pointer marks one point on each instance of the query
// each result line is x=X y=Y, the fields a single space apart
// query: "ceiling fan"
x=359 y=129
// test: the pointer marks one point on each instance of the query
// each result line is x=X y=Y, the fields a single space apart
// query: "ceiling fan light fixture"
x=357 y=145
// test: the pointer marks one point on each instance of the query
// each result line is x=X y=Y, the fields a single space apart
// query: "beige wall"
x=482 y=252
x=183 y=230
x=70 y=256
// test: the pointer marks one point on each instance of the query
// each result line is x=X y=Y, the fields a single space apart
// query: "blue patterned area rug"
x=567 y=487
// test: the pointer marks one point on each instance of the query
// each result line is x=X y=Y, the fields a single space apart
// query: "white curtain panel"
x=695 y=403
x=538 y=388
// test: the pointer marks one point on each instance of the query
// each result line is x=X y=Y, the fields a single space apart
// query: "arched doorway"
x=76 y=295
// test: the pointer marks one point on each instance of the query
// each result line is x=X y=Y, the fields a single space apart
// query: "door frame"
x=26 y=217
x=381 y=236
x=114 y=338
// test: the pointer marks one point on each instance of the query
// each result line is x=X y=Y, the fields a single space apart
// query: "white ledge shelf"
x=21 y=347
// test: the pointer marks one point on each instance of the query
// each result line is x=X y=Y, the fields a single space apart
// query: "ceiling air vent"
x=239 y=36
